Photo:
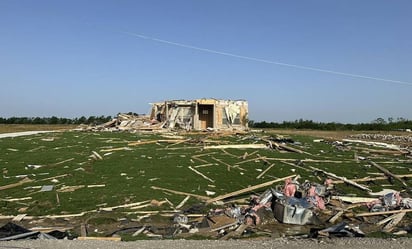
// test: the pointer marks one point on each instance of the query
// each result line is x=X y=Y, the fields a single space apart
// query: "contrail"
x=265 y=61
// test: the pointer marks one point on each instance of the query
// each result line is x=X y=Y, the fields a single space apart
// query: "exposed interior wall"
x=201 y=114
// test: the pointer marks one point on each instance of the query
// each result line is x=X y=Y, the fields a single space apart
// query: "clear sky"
x=324 y=60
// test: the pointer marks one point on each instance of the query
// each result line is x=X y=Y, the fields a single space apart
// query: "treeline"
x=55 y=120
x=377 y=124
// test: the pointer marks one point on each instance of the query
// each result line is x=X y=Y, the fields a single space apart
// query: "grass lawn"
x=126 y=173
x=129 y=174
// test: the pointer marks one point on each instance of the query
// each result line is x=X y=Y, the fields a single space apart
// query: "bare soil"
x=6 y=128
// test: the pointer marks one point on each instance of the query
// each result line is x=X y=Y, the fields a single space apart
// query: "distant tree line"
x=55 y=120
x=377 y=124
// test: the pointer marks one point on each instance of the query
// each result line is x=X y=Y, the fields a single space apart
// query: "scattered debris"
x=317 y=203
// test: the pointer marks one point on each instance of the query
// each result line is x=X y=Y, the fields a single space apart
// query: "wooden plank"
x=367 y=179
x=248 y=189
x=53 y=177
x=395 y=221
x=220 y=161
x=25 y=180
x=384 y=212
x=201 y=174
x=387 y=152
x=97 y=155
x=252 y=159
x=288 y=148
x=125 y=205
x=237 y=146
x=335 y=217
x=183 y=202
x=387 y=172
x=115 y=149
x=142 y=142
x=353 y=199
x=264 y=172
x=100 y=238
x=204 y=165
x=17 y=199
x=19 y=217
x=238 y=232
x=83 y=230
x=343 y=179
x=200 y=197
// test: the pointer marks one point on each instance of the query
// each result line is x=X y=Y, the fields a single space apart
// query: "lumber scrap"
x=100 y=238
x=368 y=179
x=142 y=142
x=387 y=172
x=2 y=217
x=252 y=159
x=248 y=189
x=395 y=221
x=220 y=161
x=236 y=146
x=200 y=197
x=125 y=205
x=183 y=202
x=384 y=212
x=16 y=199
x=19 y=217
x=201 y=174
x=336 y=216
x=204 y=165
x=96 y=155
x=354 y=199
x=266 y=170
x=50 y=229
x=180 y=141
x=381 y=222
x=143 y=206
x=385 y=152
x=53 y=177
x=244 y=156
x=64 y=161
x=83 y=230
x=238 y=232
x=376 y=144
x=229 y=154
x=25 y=180
x=291 y=149
x=115 y=149
x=343 y=179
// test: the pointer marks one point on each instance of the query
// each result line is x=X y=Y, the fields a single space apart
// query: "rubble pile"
x=383 y=137
x=198 y=115
x=125 y=122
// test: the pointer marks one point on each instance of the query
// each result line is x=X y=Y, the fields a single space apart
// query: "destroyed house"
x=201 y=114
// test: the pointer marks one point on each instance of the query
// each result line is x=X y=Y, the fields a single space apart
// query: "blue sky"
x=75 y=58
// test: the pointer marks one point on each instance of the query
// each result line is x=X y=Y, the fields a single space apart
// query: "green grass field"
x=128 y=174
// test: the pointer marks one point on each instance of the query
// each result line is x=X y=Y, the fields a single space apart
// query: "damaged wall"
x=202 y=114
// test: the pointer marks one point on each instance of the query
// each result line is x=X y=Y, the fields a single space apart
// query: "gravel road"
x=342 y=243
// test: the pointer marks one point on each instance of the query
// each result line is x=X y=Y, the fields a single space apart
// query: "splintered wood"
x=343 y=179
x=201 y=174
x=264 y=172
x=248 y=189
x=200 y=197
